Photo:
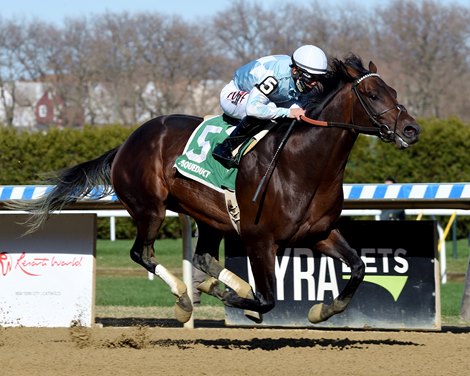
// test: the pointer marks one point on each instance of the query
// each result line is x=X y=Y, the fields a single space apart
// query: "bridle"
x=382 y=130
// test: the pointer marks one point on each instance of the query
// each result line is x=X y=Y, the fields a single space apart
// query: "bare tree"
x=37 y=42
x=350 y=29
x=289 y=25
x=10 y=71
x=26 y=49
x=117 y=63
x=426 y=44
x=126 y=68
x=177 y=63
x=74 y=69
x=247 y=31
x=240 y=31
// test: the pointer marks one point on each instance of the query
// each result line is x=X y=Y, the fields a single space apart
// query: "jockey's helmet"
x=310 y=64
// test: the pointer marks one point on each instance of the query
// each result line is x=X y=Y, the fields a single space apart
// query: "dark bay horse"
x=302 y=200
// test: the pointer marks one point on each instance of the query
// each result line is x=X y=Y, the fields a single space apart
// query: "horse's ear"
x=372 y=67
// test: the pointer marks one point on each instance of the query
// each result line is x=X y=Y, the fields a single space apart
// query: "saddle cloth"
x=197 y=163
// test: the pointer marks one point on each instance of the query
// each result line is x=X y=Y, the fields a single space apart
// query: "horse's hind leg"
x=143 y=253
x=336 y=246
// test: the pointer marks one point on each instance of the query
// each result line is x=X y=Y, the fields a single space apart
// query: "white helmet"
x=310 y=65
x=311 y=59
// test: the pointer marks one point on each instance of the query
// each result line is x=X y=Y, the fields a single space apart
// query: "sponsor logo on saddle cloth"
x=197 y=162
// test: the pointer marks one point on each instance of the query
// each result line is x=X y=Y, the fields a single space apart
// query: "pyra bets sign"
x=47 y=278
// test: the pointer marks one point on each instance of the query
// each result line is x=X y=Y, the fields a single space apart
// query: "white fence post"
x=187 y=260
x=112 y=228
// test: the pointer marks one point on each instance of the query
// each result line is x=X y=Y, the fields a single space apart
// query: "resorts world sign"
x=47 y=278
x=400 y=288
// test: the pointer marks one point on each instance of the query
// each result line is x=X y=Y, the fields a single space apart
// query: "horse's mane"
x=334 y=80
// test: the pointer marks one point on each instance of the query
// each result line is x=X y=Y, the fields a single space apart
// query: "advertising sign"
x=400 y=289
x=47 y=278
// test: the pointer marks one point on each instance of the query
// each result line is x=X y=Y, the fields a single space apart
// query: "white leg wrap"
x=177 y=287
x=241 y=287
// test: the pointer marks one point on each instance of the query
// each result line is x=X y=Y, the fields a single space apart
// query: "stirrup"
x=224 y=160
x=222 y=153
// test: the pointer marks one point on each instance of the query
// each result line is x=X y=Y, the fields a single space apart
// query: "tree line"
x=421 y=49
x=441 y=155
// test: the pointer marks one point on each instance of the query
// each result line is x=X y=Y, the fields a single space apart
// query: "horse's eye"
x=373 y=96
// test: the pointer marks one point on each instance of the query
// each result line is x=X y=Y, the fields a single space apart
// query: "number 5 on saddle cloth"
x=197 y=163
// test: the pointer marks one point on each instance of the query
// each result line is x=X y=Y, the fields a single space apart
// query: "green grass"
x=122 y=289
x=451 y=298
x=138 y=292
x=125 y=290
x=131 y=291
x=457 y=264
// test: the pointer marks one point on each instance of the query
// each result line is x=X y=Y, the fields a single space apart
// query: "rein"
x=381 y=130
x=335 y=124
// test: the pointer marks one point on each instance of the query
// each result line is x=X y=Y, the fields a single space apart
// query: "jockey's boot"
x=223 y=151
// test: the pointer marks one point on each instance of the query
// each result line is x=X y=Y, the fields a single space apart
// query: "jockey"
x=266 y=89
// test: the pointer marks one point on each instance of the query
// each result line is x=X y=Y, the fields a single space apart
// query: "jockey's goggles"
x=308 y=78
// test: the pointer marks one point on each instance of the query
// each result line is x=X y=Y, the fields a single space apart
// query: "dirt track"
x=143 y=350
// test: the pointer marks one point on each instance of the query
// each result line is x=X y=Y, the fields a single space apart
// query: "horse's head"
x=375 y=105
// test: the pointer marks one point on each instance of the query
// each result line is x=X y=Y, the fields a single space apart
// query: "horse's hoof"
x=183 y=308
x=315 y=313
x=254 y=316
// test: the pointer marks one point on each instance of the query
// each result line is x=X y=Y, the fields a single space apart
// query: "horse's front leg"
x=206 y=259
x=336 y=246
x=241 y=294
x=211 y=266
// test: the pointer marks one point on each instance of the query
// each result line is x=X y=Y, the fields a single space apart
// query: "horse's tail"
x=69 y=185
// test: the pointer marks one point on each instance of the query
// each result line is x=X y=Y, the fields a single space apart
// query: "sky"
x=57 y=10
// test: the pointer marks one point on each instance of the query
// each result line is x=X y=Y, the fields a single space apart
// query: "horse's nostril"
x=411 y=130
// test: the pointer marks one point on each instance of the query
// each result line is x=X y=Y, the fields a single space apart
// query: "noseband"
x=384 y=131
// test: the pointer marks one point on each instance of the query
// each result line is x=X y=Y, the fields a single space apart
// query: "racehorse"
x=301 y=201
